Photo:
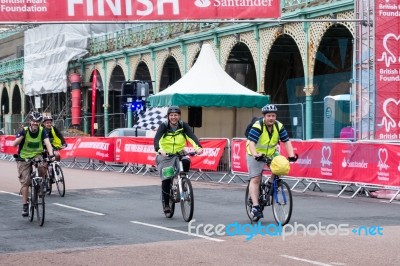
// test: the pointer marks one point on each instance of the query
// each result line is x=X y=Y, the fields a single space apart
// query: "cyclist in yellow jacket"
x=30 y=142
x=56 y=138
x=171 y=138
x=262 y=140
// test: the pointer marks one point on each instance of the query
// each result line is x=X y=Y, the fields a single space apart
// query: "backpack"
x=250 y=125
x=260 y=120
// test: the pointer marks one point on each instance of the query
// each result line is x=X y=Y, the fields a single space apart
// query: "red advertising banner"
x=135 y=150
x=212 y=154
x=67 y=152
x=349 y=162
x=134 y=10
x=141 y=151
x=94 y=148
x=387 y=54
x=6 y=144
x=238 y=155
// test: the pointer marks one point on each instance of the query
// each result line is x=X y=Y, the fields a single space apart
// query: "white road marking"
x=305 y=260
x=178 y=231
x=335 y=196
x=78 y=209
x=5 y=192
x=387 y=201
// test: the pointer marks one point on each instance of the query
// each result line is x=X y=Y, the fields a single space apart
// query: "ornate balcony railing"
x=11 y=67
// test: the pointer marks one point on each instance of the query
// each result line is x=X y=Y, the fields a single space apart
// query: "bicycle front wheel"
x=60 y=181
x=187 y=204
x=248 y=203
x=282 y=203
x=31 y=205
x=49 y=186
x=39 y=205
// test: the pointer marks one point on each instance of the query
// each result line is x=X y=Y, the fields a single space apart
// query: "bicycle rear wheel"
x=282 y=203
x=39 y=205
x=187 y=204
x=60 y=181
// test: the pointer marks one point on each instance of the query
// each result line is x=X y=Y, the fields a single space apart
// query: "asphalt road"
x=108 y=218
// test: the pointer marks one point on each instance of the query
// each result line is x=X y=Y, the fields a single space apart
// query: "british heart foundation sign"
x=387 y=54
x=134 y=10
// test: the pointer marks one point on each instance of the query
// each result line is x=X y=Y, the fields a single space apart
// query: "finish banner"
x=387 y=54
x=134 y=10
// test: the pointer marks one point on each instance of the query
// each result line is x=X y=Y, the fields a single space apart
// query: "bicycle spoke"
x=282 y=203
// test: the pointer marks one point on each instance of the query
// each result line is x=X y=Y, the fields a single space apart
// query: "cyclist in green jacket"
x=56 y=138
x=171 y=138
x=30 y=142
x=263 y=139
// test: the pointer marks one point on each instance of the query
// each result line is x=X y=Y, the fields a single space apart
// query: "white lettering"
x=175 y=6
x=148 y=10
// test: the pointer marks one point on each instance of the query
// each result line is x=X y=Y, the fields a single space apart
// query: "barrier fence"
x=356 y=165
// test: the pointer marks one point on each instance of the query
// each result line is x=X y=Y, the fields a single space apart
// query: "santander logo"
x=202 y=3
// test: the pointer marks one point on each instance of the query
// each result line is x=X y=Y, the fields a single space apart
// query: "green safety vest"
x=55 y=141
x=265 y=144
x=32 y=146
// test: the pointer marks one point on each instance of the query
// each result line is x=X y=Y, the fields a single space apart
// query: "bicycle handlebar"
x=181 y=153
x=32 y=160
x=268 y=160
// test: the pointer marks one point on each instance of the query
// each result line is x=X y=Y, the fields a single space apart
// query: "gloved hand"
x=294 y=158
x=163 y=153
x=259 y=157
x=199 y=151
x=52 y=158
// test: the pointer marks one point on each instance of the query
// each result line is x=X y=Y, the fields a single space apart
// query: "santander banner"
x=387 y=54
x=352 y=162
x=134 y=10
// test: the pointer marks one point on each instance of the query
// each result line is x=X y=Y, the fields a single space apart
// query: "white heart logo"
x=326 y=152
x=388 y=121
x=387 y=56
x=382 y=155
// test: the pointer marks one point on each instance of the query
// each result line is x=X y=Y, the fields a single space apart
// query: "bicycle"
x=54 y=174
x=36 y=192
x=279 y=196
x=181 y=190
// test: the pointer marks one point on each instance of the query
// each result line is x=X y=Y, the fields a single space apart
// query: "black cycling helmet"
x=36 y=116
x=174 y=109
x=269 y=108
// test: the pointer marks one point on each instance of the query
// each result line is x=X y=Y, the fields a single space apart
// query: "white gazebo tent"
x=207 y=85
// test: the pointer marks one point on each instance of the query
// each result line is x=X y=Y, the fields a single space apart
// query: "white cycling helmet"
x=47 y=117
x=269 y=108
x=36 y=116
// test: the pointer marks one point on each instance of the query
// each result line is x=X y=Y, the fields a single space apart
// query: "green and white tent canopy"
x=207 y=84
